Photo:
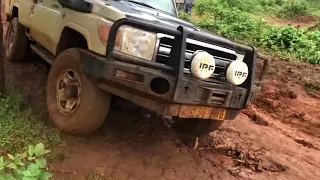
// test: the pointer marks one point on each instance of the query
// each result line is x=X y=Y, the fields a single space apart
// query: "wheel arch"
x=14 y=13
x=73 y=36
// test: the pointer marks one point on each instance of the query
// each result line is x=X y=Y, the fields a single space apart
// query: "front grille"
x=213 y=96
x=222 y=56
x=218 y=97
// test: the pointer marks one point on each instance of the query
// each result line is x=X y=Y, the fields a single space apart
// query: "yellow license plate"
x=202 y=112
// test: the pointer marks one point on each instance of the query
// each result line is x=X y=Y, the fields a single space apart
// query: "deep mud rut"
x=277 y=137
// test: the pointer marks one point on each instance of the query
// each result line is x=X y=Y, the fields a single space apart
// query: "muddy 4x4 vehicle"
x=137 y=50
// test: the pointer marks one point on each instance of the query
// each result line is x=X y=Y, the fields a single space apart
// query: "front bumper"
x=136 y=85
x=143 y=82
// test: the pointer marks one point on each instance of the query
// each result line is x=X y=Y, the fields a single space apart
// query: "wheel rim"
x=68 y=91
x=9 y=39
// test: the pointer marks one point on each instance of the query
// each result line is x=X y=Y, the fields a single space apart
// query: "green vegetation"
x=301 y=44
x=279 y=8
x=19 y=127
x=314 y=7
x=30 y=165
x=235 y=19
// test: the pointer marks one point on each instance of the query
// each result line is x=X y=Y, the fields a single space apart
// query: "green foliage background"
x=240 y=20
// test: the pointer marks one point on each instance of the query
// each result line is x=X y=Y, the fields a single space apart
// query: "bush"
x=301 y=43
x=231 y=22
x=250 y=6
x=208 y=6
x=30 y=165
x=185 y=16
x=314 y=7
x=280 y=8
x=293 y=8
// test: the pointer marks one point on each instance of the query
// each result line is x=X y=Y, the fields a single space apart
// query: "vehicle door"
x=46 y=23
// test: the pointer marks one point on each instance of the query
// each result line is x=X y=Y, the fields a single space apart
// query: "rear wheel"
x=16 y=41
x=196 y=126
x=75 y=104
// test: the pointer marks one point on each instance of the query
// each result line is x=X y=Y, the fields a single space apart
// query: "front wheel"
x=75 y=104
x=196 y=126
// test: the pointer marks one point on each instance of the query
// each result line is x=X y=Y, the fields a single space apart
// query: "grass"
x=280 y=8
x=20 y=127
x=314 y=7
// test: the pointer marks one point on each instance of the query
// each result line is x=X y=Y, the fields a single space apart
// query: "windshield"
x=163 y=5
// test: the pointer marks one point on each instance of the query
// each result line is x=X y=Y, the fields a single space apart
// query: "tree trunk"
x=2 y=77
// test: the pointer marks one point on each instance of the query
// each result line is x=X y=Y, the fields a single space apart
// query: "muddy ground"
x=277 y=137
x=299 y=22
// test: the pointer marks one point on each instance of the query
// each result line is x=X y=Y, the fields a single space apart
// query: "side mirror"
x=84 y=6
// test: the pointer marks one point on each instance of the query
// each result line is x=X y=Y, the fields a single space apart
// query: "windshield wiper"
x=141 y=3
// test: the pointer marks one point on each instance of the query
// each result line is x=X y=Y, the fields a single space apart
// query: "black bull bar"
x=175 y=64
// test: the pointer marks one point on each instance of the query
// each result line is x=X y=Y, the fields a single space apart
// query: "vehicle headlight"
x=136 y=42
x=131 y=41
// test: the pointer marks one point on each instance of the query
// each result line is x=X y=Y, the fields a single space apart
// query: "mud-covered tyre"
x=16 y=45
x=196 y=126
x=75 y=104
